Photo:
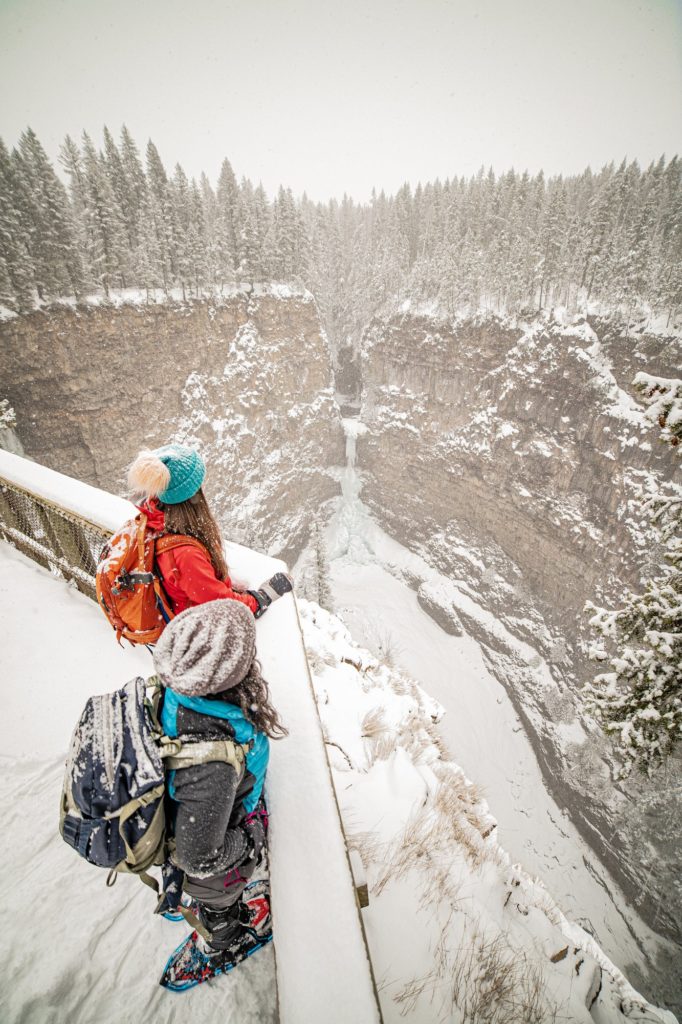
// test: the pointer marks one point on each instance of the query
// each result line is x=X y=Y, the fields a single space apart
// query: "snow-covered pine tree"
x=290 y=236
x=264 y=235
x=8 y=298
x=210 y=214
x=105 y=226
x=159 y=214
x=638 y=701
x=227 y=226
x=196 y=242
x=16 y=268
x=150 y=267
x=249 y=266
x=135 y=187
x=181 y=214
x=669 y=278
x=43 y=204
x=116 y=173
x=72 y=162
x=321 y=570
x=313 y=571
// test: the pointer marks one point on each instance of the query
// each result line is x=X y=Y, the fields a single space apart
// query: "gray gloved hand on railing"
x=279 y=584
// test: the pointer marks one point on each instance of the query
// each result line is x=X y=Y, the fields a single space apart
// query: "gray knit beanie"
x=207 y=649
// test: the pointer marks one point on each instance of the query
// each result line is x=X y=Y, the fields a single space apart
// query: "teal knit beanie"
x=187 y=472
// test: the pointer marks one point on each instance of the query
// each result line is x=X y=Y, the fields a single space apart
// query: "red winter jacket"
x=188 y=575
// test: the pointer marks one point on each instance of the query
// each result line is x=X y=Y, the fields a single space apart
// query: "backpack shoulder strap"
x=168 y=541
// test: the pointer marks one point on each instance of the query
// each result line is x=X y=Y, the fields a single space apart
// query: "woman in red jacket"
x=167 y=483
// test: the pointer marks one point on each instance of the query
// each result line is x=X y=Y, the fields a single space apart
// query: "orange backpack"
x=128 y=584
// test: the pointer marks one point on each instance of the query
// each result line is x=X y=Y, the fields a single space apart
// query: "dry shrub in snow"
x=494 y=984
x=381 y=746
x=374 y=722
x=481 y=980
x=367 y=844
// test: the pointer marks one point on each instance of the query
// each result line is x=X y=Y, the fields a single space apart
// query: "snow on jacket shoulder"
x=189 y=579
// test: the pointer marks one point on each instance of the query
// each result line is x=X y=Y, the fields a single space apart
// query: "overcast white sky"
x=338 y=97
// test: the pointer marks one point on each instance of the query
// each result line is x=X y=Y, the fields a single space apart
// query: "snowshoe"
x=190 y=965
x=254 y=912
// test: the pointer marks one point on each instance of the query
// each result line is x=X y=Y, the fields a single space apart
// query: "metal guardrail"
x=61 y=541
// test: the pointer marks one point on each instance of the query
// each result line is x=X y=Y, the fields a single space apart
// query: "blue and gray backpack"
x=113 y=800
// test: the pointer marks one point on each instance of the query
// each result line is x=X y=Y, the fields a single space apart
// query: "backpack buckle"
x=76 y=833
x=129 y=580
x=70 y=831
x=122 y=582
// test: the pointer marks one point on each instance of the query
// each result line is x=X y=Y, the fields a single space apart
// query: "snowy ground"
x=457 y=932
x=73 y=949
x=480 y=729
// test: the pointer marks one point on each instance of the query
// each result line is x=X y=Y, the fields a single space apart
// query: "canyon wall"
x=516 y=450
x=247 y=380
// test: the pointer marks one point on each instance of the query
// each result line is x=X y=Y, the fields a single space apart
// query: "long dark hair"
x=194 y=518
x=252 y=695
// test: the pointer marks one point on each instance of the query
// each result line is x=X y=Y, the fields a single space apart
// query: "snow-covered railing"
x=57 y=538
x=323 y=967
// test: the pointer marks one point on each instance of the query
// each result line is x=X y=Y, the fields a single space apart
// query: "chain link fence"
x=59 y=540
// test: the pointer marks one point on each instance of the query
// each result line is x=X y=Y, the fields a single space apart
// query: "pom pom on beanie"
x=172 y=473
x=207 y=649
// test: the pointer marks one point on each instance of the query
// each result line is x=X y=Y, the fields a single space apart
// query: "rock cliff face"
x=516 y=451
x=248 y=380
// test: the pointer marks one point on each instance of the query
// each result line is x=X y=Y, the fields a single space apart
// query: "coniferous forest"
x=507 y=243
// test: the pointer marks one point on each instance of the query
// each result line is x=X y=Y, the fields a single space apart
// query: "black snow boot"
x=224 y=926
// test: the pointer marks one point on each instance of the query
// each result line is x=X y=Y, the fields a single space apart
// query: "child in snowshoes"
x=167 y=483
x=206 y=659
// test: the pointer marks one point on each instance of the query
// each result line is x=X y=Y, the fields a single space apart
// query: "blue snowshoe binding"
x=193 y=962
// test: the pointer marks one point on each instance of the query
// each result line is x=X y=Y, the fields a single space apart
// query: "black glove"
x=269 y=591
x=255 y=835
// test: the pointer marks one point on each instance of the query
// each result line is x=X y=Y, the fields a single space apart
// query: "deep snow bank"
x=457 y=931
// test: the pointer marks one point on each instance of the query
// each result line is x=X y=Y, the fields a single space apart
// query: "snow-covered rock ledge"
x=173 y=296
x=456 y=931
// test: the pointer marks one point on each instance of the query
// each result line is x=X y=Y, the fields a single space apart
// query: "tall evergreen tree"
x=159 y=215
x=227 y=225
x=639 y=700
x=105 y=227
x=43 y=202
x=16 y=267
x=196 y=241
x=135 y=187
x=181 y=218
x=210 y=213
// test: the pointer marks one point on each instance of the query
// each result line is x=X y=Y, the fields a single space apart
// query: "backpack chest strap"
x=196 y=752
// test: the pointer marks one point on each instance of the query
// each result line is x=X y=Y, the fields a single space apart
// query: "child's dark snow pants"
x=211 y=844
